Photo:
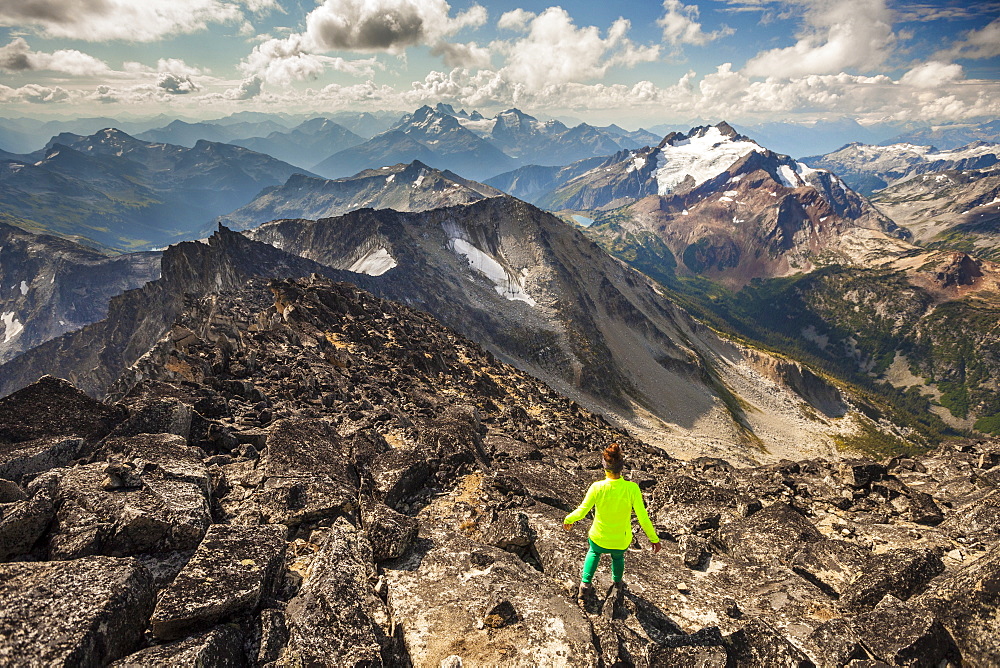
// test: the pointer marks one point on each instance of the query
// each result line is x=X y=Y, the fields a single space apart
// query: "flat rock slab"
x=41 y=454
x=901 y=572
x=222 y=647
x=307 y=448
x=160 y=516
x=86 y=612
x=229 y=573
x=448 y=607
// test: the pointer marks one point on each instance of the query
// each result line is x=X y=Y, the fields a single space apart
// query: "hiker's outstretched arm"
x=582 y=510
x=640 y=512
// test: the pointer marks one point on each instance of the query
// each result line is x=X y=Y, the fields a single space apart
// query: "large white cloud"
x=680 y=25
x=386 y=25
x=33 y=94
x=838 y=36
x=555 y=51
x=366 y=26
x=933 y=74
x=19 y=57
x=981 y=43
x=130 y=20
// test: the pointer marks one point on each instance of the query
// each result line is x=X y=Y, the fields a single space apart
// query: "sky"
x=633 y=63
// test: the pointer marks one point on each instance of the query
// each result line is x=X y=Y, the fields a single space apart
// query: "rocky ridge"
x=301 y=473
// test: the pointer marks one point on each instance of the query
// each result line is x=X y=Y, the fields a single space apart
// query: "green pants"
x=594 y=557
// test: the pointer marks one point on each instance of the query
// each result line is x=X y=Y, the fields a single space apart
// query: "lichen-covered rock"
x=161 y=516
x=509 y=530
x=221 y=647
x=173 y=458
x=398 y=474
x=693 y=551
x=11 y=492
x=551 y=484
x=389 y=532
x=859 y=473
x=901 y=572
x=902 y=634
x=157 y=415
x=968 y=604
x=307 y=448
x=270 y=635
x=337 y=619
x=85 y=612
x=28 y=458
x=233 y=568
x=442 y=608
x=53 y=407
x=772 y=535
x=758 y=643
x=830 y=564
x=23 y=523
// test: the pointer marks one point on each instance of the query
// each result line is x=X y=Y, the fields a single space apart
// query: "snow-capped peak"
x=702 y=155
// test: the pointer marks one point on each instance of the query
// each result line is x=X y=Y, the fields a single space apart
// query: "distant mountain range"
x=126 y=194
x=868 y=168
x=403 y=187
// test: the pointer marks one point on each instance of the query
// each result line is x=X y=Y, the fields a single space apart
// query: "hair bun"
x=613 y=457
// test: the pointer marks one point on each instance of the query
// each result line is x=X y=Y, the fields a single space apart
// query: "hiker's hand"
x=656 y=548
x=568 y=527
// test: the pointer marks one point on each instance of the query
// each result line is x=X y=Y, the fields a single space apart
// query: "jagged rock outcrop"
x=358 y=423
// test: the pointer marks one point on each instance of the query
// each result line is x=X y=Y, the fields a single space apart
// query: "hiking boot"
x=586 y=592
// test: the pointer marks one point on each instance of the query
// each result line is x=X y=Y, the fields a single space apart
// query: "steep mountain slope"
x=434 y=138
x=952 y=209
x=524 y=284
x=535 y=292
x=869 y=168
x=306 y=144
x=128 y=194
x=412 y=187
x=50 y=286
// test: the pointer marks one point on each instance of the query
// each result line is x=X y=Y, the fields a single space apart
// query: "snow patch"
x=374 y=263
x=726 y=199
x=419 y=180
x=24 y=288
x=701 y=158
x=485 y=264
x=12 y=328
x=684 y=212
x=730 y=193
x=638 y=162
x=392 y=177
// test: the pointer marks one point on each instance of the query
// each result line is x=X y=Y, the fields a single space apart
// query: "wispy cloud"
x=976 y=44
x=680 y=25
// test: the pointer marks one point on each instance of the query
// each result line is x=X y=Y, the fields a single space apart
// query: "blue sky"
x=635 y=63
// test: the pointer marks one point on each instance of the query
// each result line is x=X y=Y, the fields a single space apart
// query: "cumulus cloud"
x=131 y=20
x=292 y=59
x=981 y=43
x=176 y=85
x=515 y=19
x=462 y=55
x=837 y=36
x=386 y=25
x=367 y=26
x=33 y=94
x=18 y=57
x=555 y=51
x=932 y=75
x=680 y=25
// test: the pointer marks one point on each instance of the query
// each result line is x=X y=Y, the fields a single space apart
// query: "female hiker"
x=613 y=500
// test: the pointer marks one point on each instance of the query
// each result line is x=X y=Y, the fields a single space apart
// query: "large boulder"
x=100 y=513
x=222 y=647
x=772 y=535
x=230 y=573
x=830 y=564
x=389 y=532
x=902 y=573
x=173 y=458
x=85 y=612
x=968 y=604
x=487 y=607
x=23 y=523
x=337 y=619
